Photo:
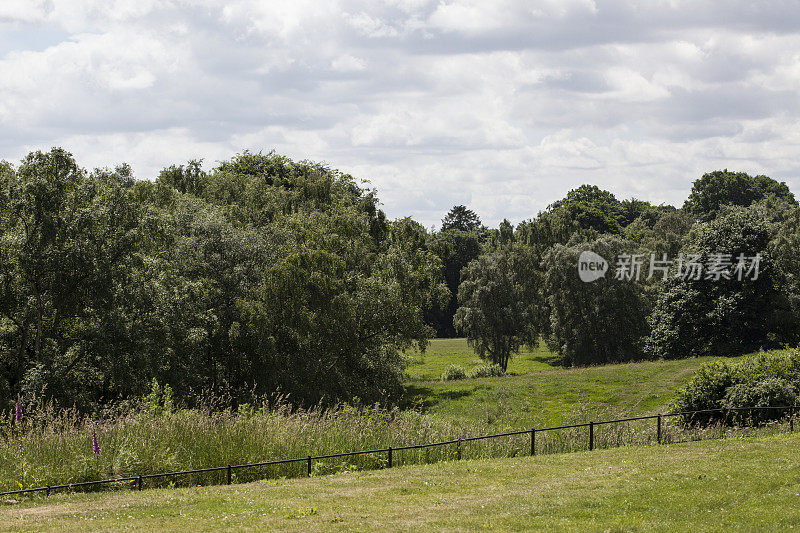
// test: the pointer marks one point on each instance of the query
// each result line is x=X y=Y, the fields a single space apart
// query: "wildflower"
x=18 y=411
x=95 y=444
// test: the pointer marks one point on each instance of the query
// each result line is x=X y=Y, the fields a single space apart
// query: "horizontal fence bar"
x=388 y=450
x=69 y=485
x=724 y=409
x=620 y=420
x=350 y=454
x=429 y=445
x=497 y=435
x=570 y=426
x=270 y=463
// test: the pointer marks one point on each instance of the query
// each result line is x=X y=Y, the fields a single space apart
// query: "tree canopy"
x=263 y=275
x=266 y=275
x=722 y=187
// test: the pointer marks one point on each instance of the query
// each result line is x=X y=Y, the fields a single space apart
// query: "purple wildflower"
x=95 y=444
x=18 y=411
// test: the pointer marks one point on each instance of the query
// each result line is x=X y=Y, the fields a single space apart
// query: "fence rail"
x=140 y=478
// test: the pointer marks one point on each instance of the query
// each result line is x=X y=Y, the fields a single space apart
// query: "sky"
x=501 y=106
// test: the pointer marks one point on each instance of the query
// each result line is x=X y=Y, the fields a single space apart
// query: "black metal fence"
x=139 y=480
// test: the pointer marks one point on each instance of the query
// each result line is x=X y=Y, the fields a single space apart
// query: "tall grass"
x=53 y=447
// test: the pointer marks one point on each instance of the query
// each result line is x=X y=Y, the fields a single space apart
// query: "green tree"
x=455 y=249
x=499 y=302
x=726 y=316
x=264 y=274
x=461 y=218
x=593 y=322
x=67 y=239
x=188 y=179
x=722 y=187
x=586 y=212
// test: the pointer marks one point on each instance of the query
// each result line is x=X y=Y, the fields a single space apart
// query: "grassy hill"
x=716 y=485
x=537 y=392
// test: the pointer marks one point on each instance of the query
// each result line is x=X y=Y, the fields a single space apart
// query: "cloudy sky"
x=503 y=106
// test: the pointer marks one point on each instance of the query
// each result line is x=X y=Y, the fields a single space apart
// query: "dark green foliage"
x=188 y=179
x=706 y=390
x=593 y=208
x=731 y=317
x=662 y=230
x=455 y=248
x=68 y=245
x=462 y=219
x=721 y=187
x=765 y=379
x=584 y=214
x=263 y=275
x=593 y=323
x=771 y=392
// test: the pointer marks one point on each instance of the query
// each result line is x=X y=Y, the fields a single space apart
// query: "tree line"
x=269 y=275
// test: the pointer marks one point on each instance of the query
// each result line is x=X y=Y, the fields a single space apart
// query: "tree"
x=722 y=187
x=461 y=218
x=500 y=304
x=264 y=274
x=724 y=316
x=455 y=249
x=67 y=242
x=586 y=212
x=663 y=231
x=593 y=322
x=592 y=208
x=189 y=179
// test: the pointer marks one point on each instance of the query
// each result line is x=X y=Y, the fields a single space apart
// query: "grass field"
x=536 y=392
x=718 y=485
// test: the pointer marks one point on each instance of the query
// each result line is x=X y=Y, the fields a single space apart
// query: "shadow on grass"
x=553 y=359
x=423 y=398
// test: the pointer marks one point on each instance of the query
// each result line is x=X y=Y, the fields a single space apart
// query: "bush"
x=453 y=373
x=764 y=379
x=771 y=392
x=486 y=371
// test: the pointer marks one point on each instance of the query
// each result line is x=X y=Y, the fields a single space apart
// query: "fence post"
x=658 y=429
x=533 y=442
x=309 y=466
x=229 y=474
x=458 y=450
x=139 y=482
x=390 y=456
x=591 y=436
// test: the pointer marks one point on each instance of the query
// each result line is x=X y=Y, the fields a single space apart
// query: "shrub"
x=453 y=373
x=771 y=392
x=486 y=371
x=760 y=380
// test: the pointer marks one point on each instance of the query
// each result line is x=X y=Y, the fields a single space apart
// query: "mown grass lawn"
x=716 y=485
x=537 y=392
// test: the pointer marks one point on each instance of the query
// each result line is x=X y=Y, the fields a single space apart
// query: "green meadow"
x=538 y=392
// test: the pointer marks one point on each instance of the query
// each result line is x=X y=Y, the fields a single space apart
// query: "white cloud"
x=503 y=105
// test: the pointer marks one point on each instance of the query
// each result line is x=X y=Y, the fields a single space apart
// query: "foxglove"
x=95 y=444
